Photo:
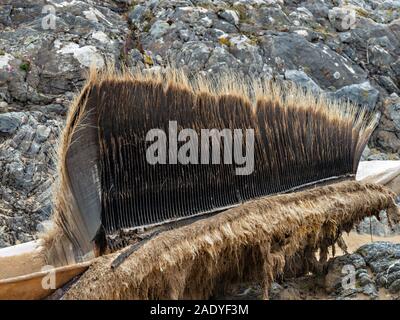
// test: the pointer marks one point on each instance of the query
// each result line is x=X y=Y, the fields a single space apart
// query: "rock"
x=322 y=64
x=370 y=290
x=159 y=28
x=47 y=62
x=303 y=80
x=392 y=111
x=138 y=14
x=230 y=15
x=362 y=94
x=395 y=286
x=86 y=55
x=275 y=291
x=27 y=166
x=271 y=17
x=3 y=106
x=42 y=133
x=290 y=293
x=364 y=279
x=10 y=122
x=342 y=18
x=372 y=266
x=377 y=156
x=388 y=140
x=53 y=108
x=338 y=269
x=365 y=153
x=380 y=256
x=374 y=226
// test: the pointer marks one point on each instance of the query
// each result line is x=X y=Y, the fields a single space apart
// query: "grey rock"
x=16 y=173
x=388 y=84
x=395 y=286
x=374 y=226
x=10 y=122
x=370 y=290
x=342 y=18
x=322 y=64
x=27 y=166
x=159 y=28
x=54 y=108
x=230 y=15
x=388 y=140
x=50 y=62
x=392 y=274
x=42 y=133
x=319 y=9
x=377 y=156
x=364 y=279
x=194 y=55
x=303 y=80
x=3 y=244
x=365 y=153
x=362 y=94
x=380 y=256
x=3 y=106
x=271 y=17
x=337 y=271
x=275 y=291
x=394 y=114
x=138 y=14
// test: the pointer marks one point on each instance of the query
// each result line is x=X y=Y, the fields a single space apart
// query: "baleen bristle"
x=300 y=139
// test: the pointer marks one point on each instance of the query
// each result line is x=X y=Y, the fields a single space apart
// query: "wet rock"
x=370 y=290
x=383 y=258
x=341 y=271
x=373 y=266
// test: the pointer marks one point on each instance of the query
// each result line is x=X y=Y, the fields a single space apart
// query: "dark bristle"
x=295 y=146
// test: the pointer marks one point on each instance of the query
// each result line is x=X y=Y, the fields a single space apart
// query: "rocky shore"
x=345 y=49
